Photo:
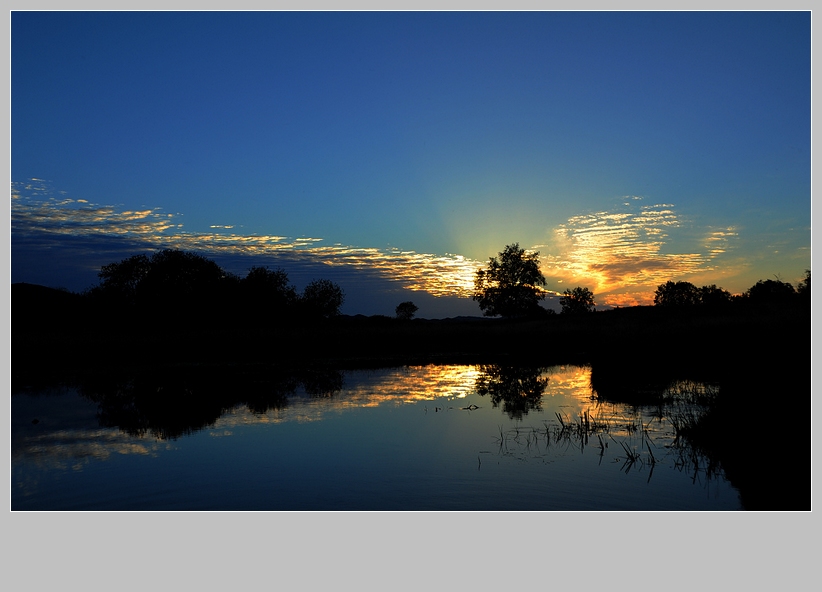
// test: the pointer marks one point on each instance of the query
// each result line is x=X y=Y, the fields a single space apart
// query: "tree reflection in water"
x=555 y=415
x=518 y=388
x=637 y=436
x=172 y=403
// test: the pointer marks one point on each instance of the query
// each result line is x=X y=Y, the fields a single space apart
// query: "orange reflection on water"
x=572 y=383
x=568 y=388
x=412 y=384
x=395 y=386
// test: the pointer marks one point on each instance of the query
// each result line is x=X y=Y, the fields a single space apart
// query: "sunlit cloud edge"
x=36 y=211
x=619 y=254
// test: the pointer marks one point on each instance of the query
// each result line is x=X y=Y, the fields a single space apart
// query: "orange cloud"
x=34 y=210
x=622 y=256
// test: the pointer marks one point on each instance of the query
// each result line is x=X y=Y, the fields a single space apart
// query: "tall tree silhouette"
x=510 y=286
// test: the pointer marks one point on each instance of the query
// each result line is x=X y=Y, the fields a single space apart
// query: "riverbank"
x=758 y=429
x=56 y=334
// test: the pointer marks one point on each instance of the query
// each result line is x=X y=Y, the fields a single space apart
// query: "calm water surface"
x=413 y=438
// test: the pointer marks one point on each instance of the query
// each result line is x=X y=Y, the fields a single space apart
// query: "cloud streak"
x=622 y=254
x=37 y=214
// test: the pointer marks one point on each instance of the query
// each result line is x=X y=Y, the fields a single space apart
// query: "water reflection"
x=173 y=403
x=73 y=449
x=519 y=389
x=637 y=438
x=392 y=425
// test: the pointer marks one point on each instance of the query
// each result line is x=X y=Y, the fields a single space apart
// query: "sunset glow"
x=399 y=163
x=439 y=275
x=624 y=255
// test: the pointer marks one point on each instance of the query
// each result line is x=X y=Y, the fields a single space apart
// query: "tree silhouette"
x=170 y=283
x=121 y=281
x=268 y=290
x=685 y=295
x=510 y=286
x=804 y=287
x=773 y=293
x=406 y=310
x=676 y=294
x=714 y=296
x=322 y=299
x=181 y=275
x=577 y=301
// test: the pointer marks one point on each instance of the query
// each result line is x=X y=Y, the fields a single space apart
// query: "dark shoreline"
x=758 y=430
x=57 y=333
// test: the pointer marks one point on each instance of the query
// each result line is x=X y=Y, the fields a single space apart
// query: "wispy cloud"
x=37 y=211
x=624 y=254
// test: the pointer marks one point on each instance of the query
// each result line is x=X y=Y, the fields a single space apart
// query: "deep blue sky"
x=629 y=148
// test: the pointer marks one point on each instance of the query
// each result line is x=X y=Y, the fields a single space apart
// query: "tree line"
x=185 y=285
x=765 y=293
x=511 y=285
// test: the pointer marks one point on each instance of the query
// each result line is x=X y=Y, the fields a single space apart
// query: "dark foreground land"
x=759 y=428
x=58 y=331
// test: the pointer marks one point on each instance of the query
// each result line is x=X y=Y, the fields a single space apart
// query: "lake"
x=433 y=437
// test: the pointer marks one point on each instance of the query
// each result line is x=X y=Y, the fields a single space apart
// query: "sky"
x=395 y=152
